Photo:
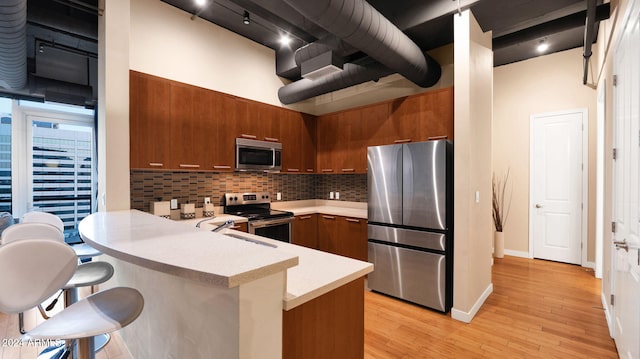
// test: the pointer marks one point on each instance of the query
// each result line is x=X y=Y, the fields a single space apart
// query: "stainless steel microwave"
x=255 y=155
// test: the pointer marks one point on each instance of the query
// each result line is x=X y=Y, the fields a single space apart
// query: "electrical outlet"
x=477 y=196
x=330 y=195
x=207 y=200
x=279 y=196
x=337 y=195
x=174 y=204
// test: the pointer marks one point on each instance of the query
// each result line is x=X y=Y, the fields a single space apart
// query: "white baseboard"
x=591 y=265
x=513 y=253
x=468 y=316
x=607 y=314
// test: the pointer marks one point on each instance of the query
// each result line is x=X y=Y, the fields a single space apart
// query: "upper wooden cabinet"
x=192 y=127
x=421 y=117
x=176 y=126
x=150 y=119
x=343 y=137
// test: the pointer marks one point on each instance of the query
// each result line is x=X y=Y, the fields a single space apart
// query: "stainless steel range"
x=263 y=221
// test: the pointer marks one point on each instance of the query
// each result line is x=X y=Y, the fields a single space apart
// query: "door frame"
x=585 y=177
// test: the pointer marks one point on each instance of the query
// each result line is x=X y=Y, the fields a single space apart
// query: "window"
x=52 y=162
x=5 y=155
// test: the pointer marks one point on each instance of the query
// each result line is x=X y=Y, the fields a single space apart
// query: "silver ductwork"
x=351 y=75
x=360 y=25
x=13 y=44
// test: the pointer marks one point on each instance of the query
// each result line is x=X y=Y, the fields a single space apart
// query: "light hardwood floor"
x=538 y=309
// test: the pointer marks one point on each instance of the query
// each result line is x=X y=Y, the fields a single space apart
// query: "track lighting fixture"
x=245 y=19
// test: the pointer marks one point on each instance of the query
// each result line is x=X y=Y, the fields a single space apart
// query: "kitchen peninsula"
x=215 y=295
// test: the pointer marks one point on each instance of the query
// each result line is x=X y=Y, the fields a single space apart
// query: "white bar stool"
x=34 y=269
x=87 y=274
x=83 y=250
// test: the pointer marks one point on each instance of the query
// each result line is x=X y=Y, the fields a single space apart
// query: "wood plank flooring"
x=538 y=309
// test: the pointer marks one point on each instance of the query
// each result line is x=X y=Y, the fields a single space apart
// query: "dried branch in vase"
x=500 y=208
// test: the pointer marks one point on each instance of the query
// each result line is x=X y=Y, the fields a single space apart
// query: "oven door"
x=278 y=229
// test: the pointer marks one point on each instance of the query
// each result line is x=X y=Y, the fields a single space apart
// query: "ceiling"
x=62 y=34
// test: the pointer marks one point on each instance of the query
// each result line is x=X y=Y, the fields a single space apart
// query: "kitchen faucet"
x=226 y=224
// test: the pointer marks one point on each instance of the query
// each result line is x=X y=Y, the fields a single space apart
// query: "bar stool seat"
x=34 y=269
x=88 y=274
x=99 y=313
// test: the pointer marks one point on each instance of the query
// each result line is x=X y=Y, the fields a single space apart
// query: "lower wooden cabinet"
x=344 y=236
x=330 y=326
x=305 y=231
x=242 y=227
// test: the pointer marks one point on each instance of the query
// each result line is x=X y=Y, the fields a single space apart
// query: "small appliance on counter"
x=262 y=220
x=410 y=215
x=207 y=210
x=161 y=209
x=187 y=210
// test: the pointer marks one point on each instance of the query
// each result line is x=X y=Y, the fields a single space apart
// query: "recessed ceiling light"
x=201 y=2
x=285 y=40
x=542 y=46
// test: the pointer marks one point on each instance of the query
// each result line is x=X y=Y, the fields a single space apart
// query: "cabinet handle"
x=305 y=217
x=348 y=170
x=327 y=170
x=235 y=227
x=156 y=164
x=437 y=138
x=253 y=137
x=271 y=139
x=402 y=141
x=182 y=165
x=328 y=217
x=219 y=167
x=352 y=220
x=293 y=170
x=310 y=170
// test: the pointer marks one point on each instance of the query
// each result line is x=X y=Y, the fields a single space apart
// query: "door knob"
x=622 y=245
x=538 y=205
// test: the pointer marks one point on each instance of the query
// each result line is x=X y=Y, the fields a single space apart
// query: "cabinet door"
x=349 y=137
x=247 y=125
x=403 y=122
x=269 y=118
x=242 y=227
x=150 y=121
x=436 y=114
x=223 y=141
x=308 y=141
x=191 y=126
x=305 y=231
x=290 y=131
x=328 y=142
x=328 y=233
x=374 y=122
x=352 y=241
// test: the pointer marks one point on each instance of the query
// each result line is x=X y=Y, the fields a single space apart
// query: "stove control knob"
x=267 y=196
x=235 y=198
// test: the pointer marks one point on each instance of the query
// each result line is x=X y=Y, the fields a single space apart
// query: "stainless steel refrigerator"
x=410 y=215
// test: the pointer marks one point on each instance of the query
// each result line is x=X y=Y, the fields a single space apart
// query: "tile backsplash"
x=192 y=187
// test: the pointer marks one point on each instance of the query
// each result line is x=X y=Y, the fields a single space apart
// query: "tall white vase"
x=498 y=249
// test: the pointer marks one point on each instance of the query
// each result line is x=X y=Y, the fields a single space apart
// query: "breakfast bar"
x=216 y=295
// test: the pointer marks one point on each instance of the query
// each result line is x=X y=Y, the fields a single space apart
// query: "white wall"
x=165 y=42
x=113 y=106
x=473 y=234
x=542 y=84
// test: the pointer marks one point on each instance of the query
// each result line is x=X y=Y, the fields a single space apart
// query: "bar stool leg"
x=84 y=348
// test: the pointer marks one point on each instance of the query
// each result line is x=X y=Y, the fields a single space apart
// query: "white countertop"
x=166 y=246
x=180 y=249
x=317 y=272
x=335 y=208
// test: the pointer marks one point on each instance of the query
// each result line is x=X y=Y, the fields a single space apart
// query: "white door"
x=557 y=185
x=626 y=194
